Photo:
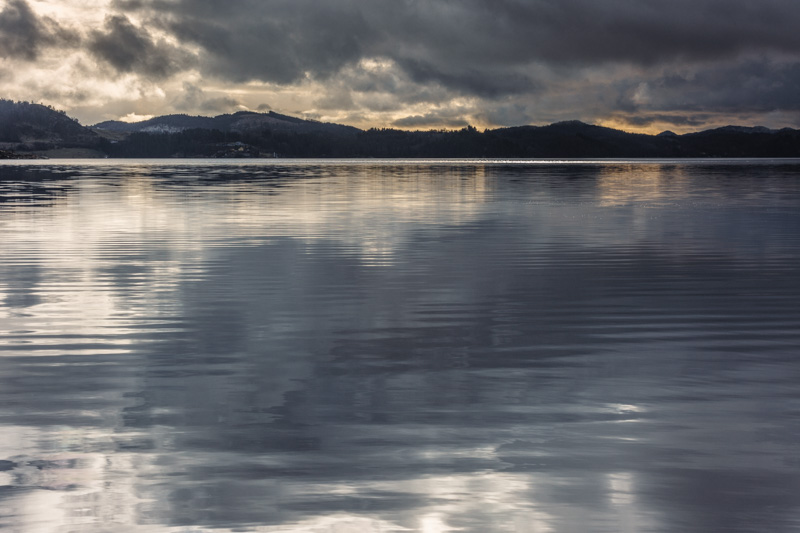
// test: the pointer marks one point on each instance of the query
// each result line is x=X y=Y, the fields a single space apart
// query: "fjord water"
x=376 y=346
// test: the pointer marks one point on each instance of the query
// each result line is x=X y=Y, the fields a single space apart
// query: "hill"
x=273 y=133
x=29 y=126
x=739 y=141
x=567 y=139
x=241 y=122
x=33 y=128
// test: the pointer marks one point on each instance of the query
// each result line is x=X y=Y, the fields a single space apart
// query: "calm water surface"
x=367 y=346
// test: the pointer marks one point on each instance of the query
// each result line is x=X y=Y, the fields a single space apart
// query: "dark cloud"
x=23 y=34
x=477 y=46
x=693 y=96
x=381 y=86
x=129 y=48
x=488 y=82
x=280 y=42
x=509 y=61
x=756 y=85
x=519 y=61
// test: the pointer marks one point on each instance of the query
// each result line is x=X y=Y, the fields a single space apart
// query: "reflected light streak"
x=653 y=184
x=433 y=523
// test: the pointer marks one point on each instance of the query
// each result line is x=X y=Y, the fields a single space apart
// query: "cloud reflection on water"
x=403 y=348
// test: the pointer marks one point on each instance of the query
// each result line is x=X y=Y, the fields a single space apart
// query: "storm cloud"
x=129 y=48
x=23 y=34
x=454 y=42
x=415 y=61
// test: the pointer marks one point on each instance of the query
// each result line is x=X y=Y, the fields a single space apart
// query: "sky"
x=637 y=65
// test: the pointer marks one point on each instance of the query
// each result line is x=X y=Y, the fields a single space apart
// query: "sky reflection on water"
x=351 y=346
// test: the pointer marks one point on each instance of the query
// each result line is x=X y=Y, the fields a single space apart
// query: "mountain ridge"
x=240 y=121
x=34 y=129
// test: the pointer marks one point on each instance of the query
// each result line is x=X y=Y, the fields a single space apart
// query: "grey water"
x=380 y=346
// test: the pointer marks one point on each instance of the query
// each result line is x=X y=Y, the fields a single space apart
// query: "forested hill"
x=29 y=126
x=242 y=122
x=562 y=140
x=35 y=129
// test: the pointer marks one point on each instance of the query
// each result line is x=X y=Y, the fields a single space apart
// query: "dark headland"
x=32 y=130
